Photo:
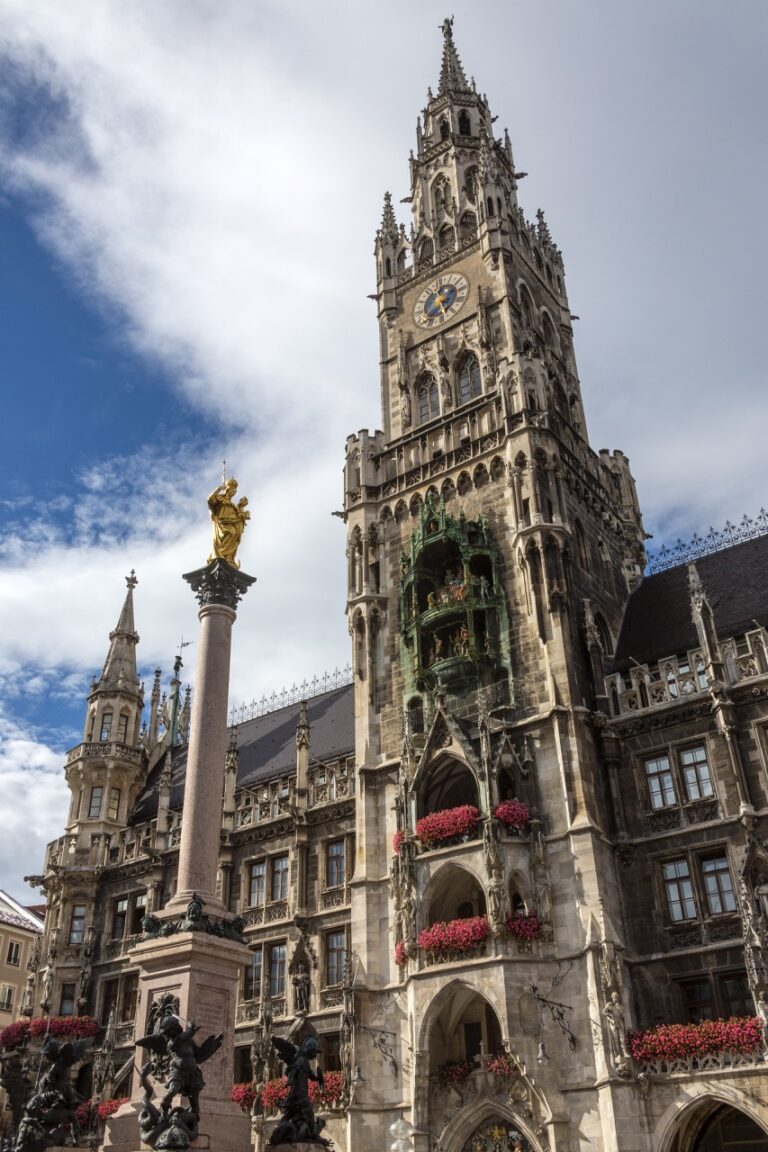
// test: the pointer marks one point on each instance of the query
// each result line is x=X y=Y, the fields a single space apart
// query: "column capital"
x=219 y=583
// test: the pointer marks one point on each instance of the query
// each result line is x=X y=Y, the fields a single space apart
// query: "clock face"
x=440 y=300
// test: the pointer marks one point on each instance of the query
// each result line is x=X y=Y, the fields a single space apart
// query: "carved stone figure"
x=229 y=520
x=298 y=1123
x=300 y=983
x=762 y=1012
x=617 y=1034
x=405 y=407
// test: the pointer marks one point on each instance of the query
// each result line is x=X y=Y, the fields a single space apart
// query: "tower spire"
x=119 y=672
x=452 y=78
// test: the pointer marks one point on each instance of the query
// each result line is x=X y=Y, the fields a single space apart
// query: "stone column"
x=200 y=961
x=218 y=588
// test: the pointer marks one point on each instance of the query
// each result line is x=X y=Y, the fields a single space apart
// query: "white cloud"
x=31 y=780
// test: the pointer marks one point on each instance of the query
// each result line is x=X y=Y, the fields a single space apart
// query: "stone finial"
x=452 y=78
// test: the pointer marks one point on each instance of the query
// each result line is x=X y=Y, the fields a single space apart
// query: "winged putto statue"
x=177 y=1057
x=298 y=1124
x=50 y=1113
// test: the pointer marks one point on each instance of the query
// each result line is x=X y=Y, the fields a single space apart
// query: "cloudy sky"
x=188 y=196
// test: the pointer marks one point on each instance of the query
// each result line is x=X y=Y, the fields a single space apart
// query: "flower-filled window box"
x=244 y=1095
x=401 y=956
x=66 y=1027
x=397 y=841
x=454 y=1073
x=668 y=1042
x=451 y=824
x=501 y=1065
x=524 y=926
x=513 y=814
x=454 y=938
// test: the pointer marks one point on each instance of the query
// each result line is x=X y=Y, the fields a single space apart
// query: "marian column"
x=192 y=955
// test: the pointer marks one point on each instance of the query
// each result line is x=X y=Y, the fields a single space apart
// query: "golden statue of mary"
x=229 y=520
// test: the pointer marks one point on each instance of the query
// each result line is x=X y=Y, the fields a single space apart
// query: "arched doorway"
x=729 y=1130
x=497 y=1135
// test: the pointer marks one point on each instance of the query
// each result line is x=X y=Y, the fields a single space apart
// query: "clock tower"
x=491 y=552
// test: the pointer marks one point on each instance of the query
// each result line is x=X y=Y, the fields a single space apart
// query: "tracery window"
x=465 y=125
x=470 y=383
x=429 y=403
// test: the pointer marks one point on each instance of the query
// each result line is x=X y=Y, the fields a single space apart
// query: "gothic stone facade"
x=505 y=646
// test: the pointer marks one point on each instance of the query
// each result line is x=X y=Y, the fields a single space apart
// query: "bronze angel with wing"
x=298 y=1123
x=180 y=1058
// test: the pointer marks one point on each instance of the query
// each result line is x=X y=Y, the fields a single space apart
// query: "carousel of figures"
x=298 y=1124
x=50 y=1115
x=177 y=1057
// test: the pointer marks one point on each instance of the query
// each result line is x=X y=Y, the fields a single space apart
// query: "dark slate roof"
x=657 y=620
x=267 y=746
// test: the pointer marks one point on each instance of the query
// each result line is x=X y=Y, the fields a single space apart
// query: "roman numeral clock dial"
x=440 y=300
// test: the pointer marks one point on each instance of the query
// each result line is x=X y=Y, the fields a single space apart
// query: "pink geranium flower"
x=436 y=827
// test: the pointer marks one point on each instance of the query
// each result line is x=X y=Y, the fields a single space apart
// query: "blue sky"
x=188 y=197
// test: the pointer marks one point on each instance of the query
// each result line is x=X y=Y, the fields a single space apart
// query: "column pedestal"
x=203 y=971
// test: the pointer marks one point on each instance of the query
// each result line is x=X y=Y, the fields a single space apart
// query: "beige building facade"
x=533 y=823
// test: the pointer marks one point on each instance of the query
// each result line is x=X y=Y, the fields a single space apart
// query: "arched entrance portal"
x=497 y=1135
x=728 y=1130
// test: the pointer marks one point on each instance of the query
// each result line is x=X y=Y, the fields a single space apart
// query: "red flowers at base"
x=667 y=1042
x=88 y=1111
x=401 y=956
x=455 y=935
x=275 y=1092
x=397 y=841
x=436 y=827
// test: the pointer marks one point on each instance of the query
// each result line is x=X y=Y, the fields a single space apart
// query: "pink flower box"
x=512 y=813
x=524 y=926
x=743 y=1034
x=449 y=824
x=401 y=956
x=454 y=1072
x=397 y=841
x=454 y=936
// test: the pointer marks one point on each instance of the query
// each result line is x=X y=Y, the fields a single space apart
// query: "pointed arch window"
x=445 y=129
x=106 y=726
x=429 y=404
x=446 y=238
x=426 y=251
x=470 y=384
x=465 y=124
x=468 y=226
x=491 y=208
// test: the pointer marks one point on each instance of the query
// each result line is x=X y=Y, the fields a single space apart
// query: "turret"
x=105 y=772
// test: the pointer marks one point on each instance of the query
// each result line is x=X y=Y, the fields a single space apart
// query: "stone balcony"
x=105 y=750
x=675 y=679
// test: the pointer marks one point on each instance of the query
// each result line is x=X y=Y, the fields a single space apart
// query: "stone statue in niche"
x=300 y=981
x=617 y=1035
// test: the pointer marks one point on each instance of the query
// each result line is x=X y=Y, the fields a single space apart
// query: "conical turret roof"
x=119 y=673
x=452 y=78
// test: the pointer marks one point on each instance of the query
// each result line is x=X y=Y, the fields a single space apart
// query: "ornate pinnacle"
x=388 y=221
x=131 y=580
x=452 y=76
